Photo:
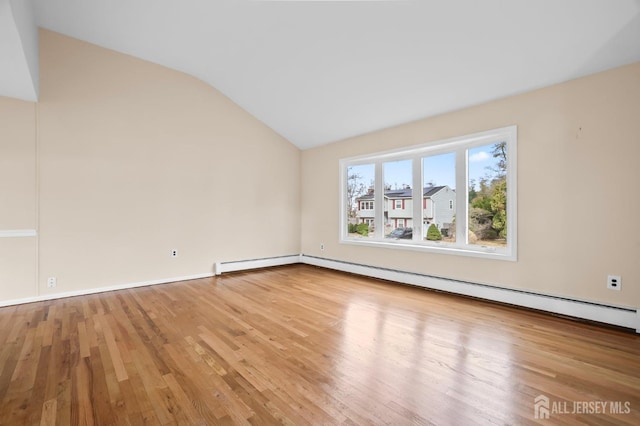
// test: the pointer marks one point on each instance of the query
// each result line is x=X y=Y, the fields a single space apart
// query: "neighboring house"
x=365 y=212
x=398 y=209
x=438 y=206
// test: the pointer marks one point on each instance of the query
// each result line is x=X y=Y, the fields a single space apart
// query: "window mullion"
x=417 y=199
x=379 y=201
x=462 y=197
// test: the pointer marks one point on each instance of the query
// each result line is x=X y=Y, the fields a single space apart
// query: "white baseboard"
x=85 y=292
x=627 y=317
x=219 y=268
x=243 y=265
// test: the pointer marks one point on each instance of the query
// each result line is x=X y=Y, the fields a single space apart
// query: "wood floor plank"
x=39 y=388
x=48 y=416
x=63 y=403
x=82 y=407
x=183 y=401
x=303 y=345
x=152 y=385
x=83 y=340
x=114 y=351
x=194 y=377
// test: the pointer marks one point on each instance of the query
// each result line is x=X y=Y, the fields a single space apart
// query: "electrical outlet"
x=51 y=282
x=174 y=253
x=614 y=282
x=321 y=246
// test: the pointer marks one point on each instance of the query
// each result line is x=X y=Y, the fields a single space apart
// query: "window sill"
x=485 y=252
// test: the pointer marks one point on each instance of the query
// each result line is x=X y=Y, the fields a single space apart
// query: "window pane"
x=439 y=197
x=398 y=206
x=360 y=201
x=488 y=195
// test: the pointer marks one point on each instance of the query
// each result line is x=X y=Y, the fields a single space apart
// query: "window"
x=366 y=205
x=457 y=196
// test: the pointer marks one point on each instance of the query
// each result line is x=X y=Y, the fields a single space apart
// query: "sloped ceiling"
x=18 y=50
x=321 y=71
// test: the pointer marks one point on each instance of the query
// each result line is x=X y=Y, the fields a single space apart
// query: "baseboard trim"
x=621 y=316
x=220 y=267
x=608 y=314
x=265 y=262
x=85 y=292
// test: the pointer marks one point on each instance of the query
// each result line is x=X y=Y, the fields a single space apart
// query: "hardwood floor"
x=302 y=345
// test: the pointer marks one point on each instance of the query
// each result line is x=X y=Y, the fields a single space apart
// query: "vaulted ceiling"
x=321 y=71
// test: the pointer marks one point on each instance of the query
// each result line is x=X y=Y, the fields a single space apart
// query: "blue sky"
x=438 y=169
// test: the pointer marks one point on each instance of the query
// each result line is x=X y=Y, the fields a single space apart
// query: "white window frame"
x=459 y=145
x=398 y=204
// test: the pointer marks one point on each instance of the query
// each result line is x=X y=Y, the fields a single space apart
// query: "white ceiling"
x=321 y=71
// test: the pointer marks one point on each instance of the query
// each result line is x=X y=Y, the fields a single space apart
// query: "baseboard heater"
x=615 y=315
x=243 y=265
x=626 y=317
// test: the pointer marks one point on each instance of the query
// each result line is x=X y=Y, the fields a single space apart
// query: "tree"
x=498 y=204
x=488 y=213
x=482 y=202
x=499 y=151
x=433 y=233
x=355 y=189
x=472 y=190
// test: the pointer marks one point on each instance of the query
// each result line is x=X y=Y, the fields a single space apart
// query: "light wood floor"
x=302 y=345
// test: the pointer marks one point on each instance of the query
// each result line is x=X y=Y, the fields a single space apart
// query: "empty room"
x=319 y=212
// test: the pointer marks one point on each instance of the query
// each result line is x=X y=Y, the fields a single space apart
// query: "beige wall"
x=578 y=177
x=135 y=160
x=17 y=198
x=17 y=165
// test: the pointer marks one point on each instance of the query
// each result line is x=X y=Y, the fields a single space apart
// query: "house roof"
x=431 y=190
x=427 y=191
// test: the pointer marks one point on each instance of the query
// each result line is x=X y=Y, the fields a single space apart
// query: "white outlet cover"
x=614 y=278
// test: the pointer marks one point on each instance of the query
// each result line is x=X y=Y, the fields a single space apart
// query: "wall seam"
x=37 y=197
